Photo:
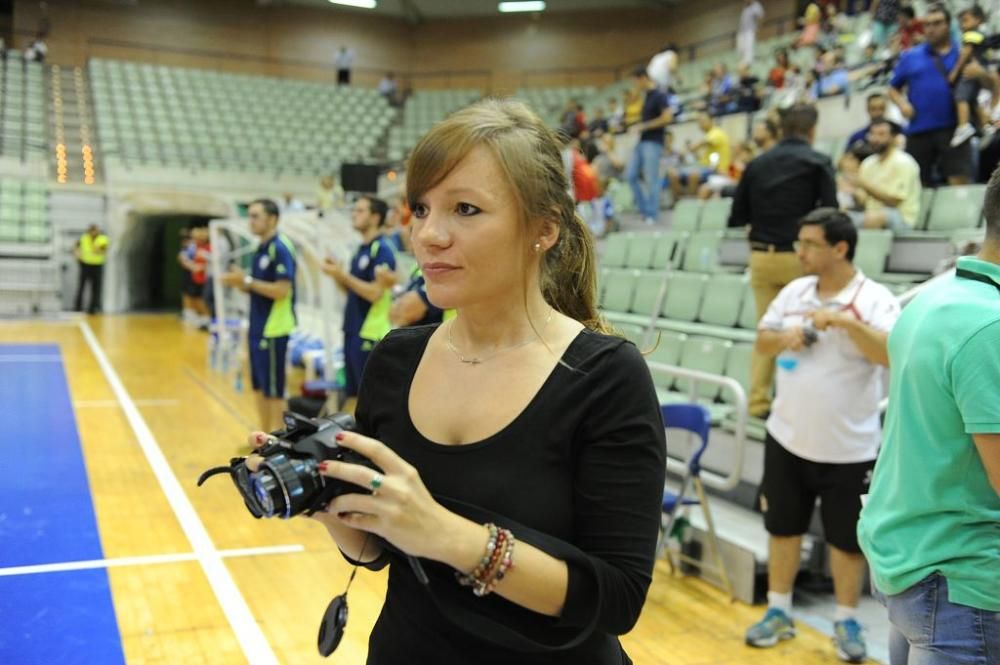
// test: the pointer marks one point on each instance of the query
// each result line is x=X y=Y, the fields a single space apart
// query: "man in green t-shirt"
x=931 y=525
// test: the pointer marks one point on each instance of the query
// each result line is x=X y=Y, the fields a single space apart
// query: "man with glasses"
x=929 y=105
x=271 y=285
x=829 y=331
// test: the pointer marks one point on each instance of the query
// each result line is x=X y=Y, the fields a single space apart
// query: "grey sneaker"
x=773 y=628
x=848 y=641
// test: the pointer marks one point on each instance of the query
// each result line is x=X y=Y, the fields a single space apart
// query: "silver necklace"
x=482 y=359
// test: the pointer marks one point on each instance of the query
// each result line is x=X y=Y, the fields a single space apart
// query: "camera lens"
x=270 y=496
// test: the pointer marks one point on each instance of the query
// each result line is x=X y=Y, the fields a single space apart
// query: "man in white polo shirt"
x=829 y=331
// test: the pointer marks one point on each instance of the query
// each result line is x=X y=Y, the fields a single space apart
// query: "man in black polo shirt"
x=778 y=189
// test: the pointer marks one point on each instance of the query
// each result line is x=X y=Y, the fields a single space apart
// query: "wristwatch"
x=248 y=281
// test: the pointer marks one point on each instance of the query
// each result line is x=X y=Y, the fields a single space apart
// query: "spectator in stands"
x=835 y=79
x=810 y=26
x=776 y=77
x=289 y=203
x=928 y=103
x=847 y=176
x=91 y=251
x=271 y=285
x=598 y=125
x=888 y=182
x=876 y=106
x=387 y=88
x=344 y=62
x=37 y=50
x=830 y=329
x=366 y=314
x=329 y=195
x=616 y=116
x=662 y=66
x=911 y=29
x=929 y=525
x=764 y=135
x=713 y=155
x=723 y=184
x=722 y=97
x=746 y=33
x=970 y=75
x=885 y=14
x=777 y=190
x=747 y=95
x=609 y=169
x=645 y=162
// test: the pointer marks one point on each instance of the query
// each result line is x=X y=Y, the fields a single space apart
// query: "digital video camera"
x=288 y=482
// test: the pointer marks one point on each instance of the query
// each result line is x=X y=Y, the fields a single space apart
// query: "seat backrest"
x=686 y=215
x=926 y=203
x=647 y=291
x=619 y=288
x=704 y=354
x=667 y=346
x=641 y=247
x=872 y=251
x=715 y=214
x=723 y=299
x=748 y=313
x=692 y=418
x=702 y=252
x=668 y=248
x=957 y=208
x=738 y=368
x=633 y=332
x=615 y=250
x=684 y=293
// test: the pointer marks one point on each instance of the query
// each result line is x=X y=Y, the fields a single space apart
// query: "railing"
x=711 y=478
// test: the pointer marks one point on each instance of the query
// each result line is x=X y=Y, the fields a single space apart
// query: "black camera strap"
x=976 y=276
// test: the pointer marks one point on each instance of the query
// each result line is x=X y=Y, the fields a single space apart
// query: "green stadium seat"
x=648 y=286
x=715 y=214
x=619 y=290
x=703 y=354
x=926 y=204
x=748 y=313
x=686 y=215
x=668 y=249
x=723 y=299
x=956 y=208
x=872 y=250
x=641 y=248
x=702 y=252
x=684 y=294
x=666 y=350
x=615 y=252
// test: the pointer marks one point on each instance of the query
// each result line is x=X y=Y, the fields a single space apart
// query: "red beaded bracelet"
x=497 y=560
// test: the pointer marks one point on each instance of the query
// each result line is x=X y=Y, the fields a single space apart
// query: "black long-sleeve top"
x=779 y=188
x=579 y=474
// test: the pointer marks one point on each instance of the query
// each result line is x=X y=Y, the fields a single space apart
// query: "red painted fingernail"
x=321 y=466
x=340 y=436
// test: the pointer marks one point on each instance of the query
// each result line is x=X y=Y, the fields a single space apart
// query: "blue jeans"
x=646 y=162
x=927 y=629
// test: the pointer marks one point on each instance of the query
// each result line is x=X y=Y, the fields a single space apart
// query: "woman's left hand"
x=400 y=509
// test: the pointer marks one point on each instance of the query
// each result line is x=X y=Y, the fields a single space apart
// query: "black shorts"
x=933 y=149
x=792 y=484
x=967 y=90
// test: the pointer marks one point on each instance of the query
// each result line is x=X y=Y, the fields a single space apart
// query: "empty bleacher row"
x=152 y=115
x=24 y=211
x=423 y=109
x=22 y=109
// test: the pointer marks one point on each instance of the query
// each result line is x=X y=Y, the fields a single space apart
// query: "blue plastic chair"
x=697 y=420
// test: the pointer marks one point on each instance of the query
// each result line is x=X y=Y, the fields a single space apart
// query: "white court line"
x=148 y=560
x=234 y=606
x=30 y=358
x=114 y=404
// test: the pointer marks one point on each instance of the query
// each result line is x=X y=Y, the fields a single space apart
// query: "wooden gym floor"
x=109 y=553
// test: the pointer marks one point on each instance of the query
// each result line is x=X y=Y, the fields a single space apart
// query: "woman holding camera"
x=521 y=445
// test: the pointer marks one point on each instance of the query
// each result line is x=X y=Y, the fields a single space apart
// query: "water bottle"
x=788 y=360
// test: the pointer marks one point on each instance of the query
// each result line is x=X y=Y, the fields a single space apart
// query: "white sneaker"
x=649 y=221
x=962 y=134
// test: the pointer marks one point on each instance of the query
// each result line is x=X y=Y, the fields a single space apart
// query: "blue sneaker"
x=773 y=628
x=848 y=641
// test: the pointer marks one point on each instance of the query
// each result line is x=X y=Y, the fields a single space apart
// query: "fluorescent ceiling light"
x=531 y=6
x=363 y=4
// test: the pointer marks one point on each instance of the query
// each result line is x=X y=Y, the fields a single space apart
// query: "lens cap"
x=332 y=628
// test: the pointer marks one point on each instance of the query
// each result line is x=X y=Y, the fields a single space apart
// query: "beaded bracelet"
x=497 y=560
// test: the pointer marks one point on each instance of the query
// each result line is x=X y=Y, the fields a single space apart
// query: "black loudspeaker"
x=362 y=178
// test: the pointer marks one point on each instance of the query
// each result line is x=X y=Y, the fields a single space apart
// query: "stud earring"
x=538 y=246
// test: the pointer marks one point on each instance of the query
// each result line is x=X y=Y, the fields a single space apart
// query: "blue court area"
x=46 y=516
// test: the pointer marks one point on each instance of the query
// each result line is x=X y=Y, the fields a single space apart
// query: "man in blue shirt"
x=271 y=285
x=645 y=162
x=929 y=104
x=365 y=294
